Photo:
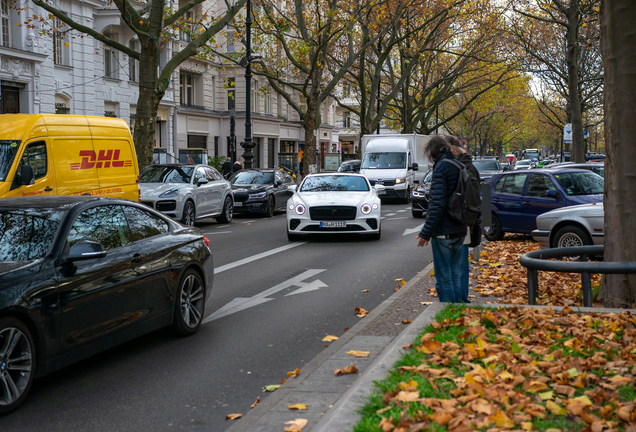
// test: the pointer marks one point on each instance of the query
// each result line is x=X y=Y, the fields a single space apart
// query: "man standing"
x=227 y=168
x=462 y=156
x=445 y=234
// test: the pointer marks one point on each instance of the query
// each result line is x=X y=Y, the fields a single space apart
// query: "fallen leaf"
x=547 y=395
x=441 y=418
x=297 y=406
x=555 y=409
x=401 y=281
x=359 y=353
x=256 y=402
x=408 y=396
x=537 y=386
x=576 y=405
x=271 y=388
x=233 y=416
x=296 y=425
x=502 y=420
x=365 y=291
x=426 y=303
x=346 y=370
x=407 y=321
x=361 y=312
x=329 y=338
x=619 y=381
x=293 y=373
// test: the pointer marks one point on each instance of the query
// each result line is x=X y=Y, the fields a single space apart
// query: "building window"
x=61 y=108
x=133 y=64
x=229 y=34
x=231 y=93
x=5 y=17
x=346 y=119
x=186 y=89
x=303 y=104
x=111 y=65
x=110 y=109
x=188 y=25
x=60 y=47
x=267 y=108
x=213 y=93
x=254 y=98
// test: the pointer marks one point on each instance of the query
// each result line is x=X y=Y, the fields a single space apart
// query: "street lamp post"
x=248 y=144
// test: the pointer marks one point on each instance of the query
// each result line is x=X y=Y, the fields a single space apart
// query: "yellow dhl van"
x=55 y=154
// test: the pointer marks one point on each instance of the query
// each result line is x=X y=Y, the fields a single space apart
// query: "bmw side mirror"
x=292 y=188
x=202 y=181
x=86 y=250
x=26 y=175
x=415 y=166
x=552 y=194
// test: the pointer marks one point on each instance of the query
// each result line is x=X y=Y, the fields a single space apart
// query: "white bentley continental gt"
x=335 y=203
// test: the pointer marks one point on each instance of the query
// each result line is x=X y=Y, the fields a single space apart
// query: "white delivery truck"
x=395 y=161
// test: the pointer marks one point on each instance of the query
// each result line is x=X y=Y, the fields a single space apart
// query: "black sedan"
x=420 y=196
x=487 y=168
x=261 y=191
x=79 y=275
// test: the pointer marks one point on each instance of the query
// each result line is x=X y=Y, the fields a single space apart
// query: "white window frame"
x=267 y=106
x=111 y=64
x=346 y=119
x=5 y=23
x=186 y=83
x=229 y=36
x=254 y=98
x=188 y=19
x=60 y=50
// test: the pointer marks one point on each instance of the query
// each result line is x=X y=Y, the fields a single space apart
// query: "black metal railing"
x=537 y=260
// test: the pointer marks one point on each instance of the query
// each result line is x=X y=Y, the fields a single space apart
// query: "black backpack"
x=464 y=205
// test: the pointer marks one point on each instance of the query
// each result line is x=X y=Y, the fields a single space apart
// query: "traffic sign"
x=586 y=134
x=567 y=133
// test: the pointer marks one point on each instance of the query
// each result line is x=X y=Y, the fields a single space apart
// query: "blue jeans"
x=463 y=283
x=447 y=261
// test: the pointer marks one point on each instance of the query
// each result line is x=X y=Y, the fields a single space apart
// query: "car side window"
x=539 y=184
x=35 y=155
x=511 y=184
x=144 y=224
x=217 y=175
x=279 y=177
x=105 y=224
x=288 y=178
x=209 y=174
x=199 y=174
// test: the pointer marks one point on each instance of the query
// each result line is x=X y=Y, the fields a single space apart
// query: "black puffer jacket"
x=445 y=177
x=468 y=163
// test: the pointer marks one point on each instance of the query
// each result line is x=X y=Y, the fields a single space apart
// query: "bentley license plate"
x=338 y=224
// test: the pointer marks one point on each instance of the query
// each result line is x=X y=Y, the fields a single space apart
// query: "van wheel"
x=496 y=233
x=407 y=199
x=17 y=363
x=228 y=211
x=189 y=213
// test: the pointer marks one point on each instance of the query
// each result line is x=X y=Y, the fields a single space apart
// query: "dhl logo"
x=105 y=158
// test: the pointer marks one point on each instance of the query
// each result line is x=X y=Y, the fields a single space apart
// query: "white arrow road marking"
x=390 y=214
x=246 y=222
x=239 y=304
x=256 y=257
x=417 y=229
x=401 y=211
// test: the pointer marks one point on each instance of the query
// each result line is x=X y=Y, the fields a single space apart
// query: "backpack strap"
x=457 y=164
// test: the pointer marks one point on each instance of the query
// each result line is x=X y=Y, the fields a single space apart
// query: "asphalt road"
x=273 y=302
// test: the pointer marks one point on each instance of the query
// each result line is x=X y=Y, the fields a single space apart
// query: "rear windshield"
x=335 y=183
x=252 y=178
x=581 y=183
x=486 y=165
x=166 y=174
x=8 y=150
x=383 y=160
x=26 y=234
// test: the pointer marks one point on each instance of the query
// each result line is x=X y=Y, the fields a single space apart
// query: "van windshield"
x=384 y=160
x=8 y=150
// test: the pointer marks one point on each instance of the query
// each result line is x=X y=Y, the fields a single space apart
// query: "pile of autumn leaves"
x=514 y=369
x=499 y=274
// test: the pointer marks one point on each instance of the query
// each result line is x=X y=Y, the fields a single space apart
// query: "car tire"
x=407 y=199
x=376 y=236
x=496 y=233
x=270 y=207
x=417 y=214
x=14 y=332
x=570 y=236
x=227 y=214
x=189 y=213
x=190 y=304
x=292 y=237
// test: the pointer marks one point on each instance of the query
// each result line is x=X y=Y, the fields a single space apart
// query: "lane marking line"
x=220 y=232
x=391 y=214
x=406 y=217
x=256 y=257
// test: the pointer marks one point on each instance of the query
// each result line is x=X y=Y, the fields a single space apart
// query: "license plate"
x=238 y=204
x=338 y=224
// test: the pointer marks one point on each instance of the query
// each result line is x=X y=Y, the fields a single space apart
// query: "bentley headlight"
x=291 y=206
x=375 y=206
x=300 y=209
x=169 y=193
x=365 y=209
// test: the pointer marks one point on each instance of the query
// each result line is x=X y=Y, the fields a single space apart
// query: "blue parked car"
x=519 y=197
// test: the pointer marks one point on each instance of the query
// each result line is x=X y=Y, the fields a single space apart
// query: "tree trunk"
x=309 y=154
x=617 y=43
x=573 y=54
x=150 y=94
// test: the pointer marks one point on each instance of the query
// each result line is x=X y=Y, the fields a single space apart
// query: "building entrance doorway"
x=10 y=101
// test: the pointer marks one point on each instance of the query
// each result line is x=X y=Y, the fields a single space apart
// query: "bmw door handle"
x=526 y=203
x=137 y=258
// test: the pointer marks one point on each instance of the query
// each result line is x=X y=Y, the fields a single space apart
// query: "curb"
x=248 y=421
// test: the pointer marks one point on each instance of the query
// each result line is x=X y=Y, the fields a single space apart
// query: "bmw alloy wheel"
x=191 y=301
x=16 y=364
